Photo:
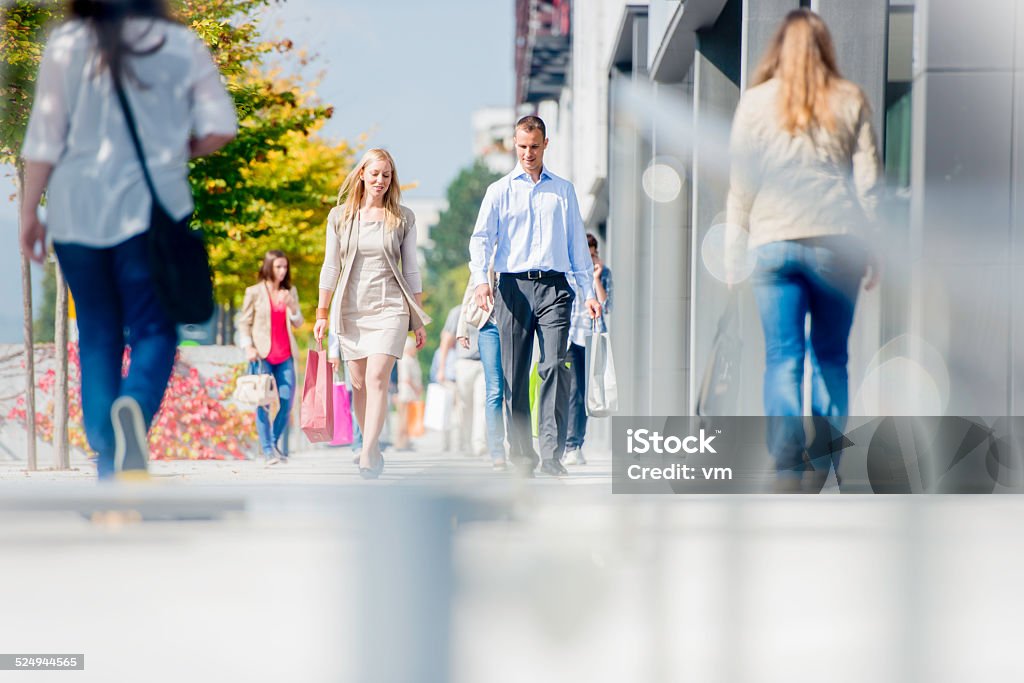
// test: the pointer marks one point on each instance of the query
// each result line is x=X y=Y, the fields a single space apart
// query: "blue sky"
x=407 y=72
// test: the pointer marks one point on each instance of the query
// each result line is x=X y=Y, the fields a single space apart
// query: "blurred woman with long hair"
x=78 y=148
x=370 y=263
x=803 y=194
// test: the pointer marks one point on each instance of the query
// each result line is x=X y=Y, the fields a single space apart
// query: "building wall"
x=492 y=137
x=627 y=249
x=961 y=261
x=966 y=257
x=594 y=23
x=716 y=93
x=676 y=297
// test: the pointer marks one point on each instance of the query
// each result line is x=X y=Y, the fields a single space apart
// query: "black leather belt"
x=535 y=274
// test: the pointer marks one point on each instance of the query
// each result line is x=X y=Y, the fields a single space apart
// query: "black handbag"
x=719 y=390
x=178 y=262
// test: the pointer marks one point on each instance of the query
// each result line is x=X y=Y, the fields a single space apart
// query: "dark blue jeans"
x=116 y=306
x=276 y=433
x=577 y=430
x=489 y=343
x=819 y=277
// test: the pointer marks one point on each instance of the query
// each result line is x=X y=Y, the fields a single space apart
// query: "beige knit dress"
x=375 y=312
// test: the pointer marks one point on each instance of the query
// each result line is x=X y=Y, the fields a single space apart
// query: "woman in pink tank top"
x=270 y=310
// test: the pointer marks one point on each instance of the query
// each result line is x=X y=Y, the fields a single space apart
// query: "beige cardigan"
x=400 y=245
x=254 y=321
x=787 y=187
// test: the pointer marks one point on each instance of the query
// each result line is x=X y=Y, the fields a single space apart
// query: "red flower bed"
x=195 y=421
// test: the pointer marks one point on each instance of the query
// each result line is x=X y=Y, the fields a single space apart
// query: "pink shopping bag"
x=317 y=409
x=342 y=416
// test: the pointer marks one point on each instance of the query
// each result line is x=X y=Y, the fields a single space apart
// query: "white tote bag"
x=602 y=389
x=258 y=388
x=437 y=410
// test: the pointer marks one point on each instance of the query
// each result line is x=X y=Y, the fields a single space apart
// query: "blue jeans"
x=819 y=277
x=116 y=306
x=577 y=430
x=490 y=355
x=269 y=434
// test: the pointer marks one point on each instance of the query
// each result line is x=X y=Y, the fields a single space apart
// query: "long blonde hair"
x=353 y=190
x=803 y=58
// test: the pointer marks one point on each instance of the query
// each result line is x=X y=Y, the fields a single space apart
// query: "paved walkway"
x=427 y=465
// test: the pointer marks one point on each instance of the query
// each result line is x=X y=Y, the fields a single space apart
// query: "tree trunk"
x=219 y=336
x=229 y=325
x=30 y=358
x=60 y=390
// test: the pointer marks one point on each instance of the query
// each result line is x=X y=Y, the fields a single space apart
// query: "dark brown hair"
x=267 y=269
x=591 y=241
x=107 y=17
x=530 y=123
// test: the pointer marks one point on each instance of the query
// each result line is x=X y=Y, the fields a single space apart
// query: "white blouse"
x=97 y=195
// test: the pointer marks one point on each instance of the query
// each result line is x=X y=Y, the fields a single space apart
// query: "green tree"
x=22 y=26
x=278 y=200
x=271 y=187
x=455 y=224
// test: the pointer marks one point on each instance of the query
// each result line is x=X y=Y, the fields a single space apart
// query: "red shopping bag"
x=342 y=416
x=317 y=411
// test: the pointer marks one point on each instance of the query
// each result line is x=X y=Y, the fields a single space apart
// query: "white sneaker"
x=131 y=448
x=575 y=457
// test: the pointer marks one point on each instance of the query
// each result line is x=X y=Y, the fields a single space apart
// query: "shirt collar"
x=518 y=173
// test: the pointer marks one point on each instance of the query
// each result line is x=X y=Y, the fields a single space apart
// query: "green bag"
x=534 y=403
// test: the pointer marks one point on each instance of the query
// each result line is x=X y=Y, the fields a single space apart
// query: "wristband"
x=322 y=314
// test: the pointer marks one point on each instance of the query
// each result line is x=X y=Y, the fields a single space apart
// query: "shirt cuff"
x=35 y=150
x=479 y=278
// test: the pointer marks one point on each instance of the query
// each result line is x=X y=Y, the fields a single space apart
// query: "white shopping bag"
x=437 y=410
x=602 y=389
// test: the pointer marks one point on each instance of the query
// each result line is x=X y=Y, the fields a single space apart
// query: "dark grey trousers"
x=523 y=308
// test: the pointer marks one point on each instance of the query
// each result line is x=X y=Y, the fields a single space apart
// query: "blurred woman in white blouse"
x=804 y=187
x=78 y=149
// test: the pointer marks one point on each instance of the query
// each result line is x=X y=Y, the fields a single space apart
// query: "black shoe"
x=553 y=468
x=131 y=447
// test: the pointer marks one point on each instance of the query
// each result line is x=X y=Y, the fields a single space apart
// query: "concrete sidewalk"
x=428 y=465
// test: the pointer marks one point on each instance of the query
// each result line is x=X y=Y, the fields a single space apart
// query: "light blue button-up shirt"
x=533 y=226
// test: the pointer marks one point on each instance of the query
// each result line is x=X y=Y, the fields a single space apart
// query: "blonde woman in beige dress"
x=370 y=266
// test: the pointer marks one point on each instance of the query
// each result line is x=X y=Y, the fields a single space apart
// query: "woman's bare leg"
x=357 y=375
x=378 y=373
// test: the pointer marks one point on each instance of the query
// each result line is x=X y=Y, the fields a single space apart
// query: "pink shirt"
x=280 y=344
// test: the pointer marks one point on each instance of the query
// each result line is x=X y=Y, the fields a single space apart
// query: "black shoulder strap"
x=129 y=119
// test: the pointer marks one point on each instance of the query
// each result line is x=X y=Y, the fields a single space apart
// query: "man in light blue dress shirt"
x=530 y=220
